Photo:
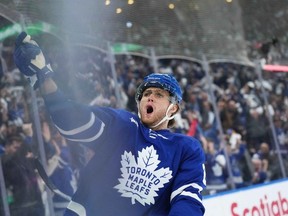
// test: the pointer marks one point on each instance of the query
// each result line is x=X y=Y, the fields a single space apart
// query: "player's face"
x=153 y=106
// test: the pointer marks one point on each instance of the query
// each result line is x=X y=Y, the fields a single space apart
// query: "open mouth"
x=149 y=109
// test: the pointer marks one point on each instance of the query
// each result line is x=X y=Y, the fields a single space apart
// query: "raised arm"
x=74 y=121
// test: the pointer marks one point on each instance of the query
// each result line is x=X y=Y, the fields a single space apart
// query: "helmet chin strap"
x=166 y=117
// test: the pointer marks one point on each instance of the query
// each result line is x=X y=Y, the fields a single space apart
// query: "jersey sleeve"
x=74 y=121
x=186 y=198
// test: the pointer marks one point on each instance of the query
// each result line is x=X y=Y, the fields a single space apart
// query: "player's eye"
x=146 y=93
x=159 y=95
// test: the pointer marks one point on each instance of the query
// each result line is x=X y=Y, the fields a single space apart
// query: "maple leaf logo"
x=141 y=179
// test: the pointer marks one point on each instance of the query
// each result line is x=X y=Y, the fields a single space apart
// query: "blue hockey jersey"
x=135 y=170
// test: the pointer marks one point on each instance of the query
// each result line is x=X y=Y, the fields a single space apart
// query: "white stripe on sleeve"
x=91 y=138
x=180 y=191
x=79 y=129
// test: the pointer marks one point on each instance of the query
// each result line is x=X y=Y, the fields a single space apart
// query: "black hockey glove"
x=28 y=57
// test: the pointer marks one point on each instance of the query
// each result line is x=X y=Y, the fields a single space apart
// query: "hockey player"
x=139 y=167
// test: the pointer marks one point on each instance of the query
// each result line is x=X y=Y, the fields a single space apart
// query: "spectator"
x=254 y=133
x=192 y=99
x=195 y=129
x=208 y=119
x=216 y=169
x=235 y=149
x=21 y=179
x=260 y=161
x=230 y=117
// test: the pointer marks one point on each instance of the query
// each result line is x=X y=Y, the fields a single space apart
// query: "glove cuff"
x=40 y=76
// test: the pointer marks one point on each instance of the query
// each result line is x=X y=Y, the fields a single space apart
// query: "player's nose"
x=151 y=97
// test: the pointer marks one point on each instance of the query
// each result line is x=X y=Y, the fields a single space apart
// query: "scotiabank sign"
x=264 y=200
